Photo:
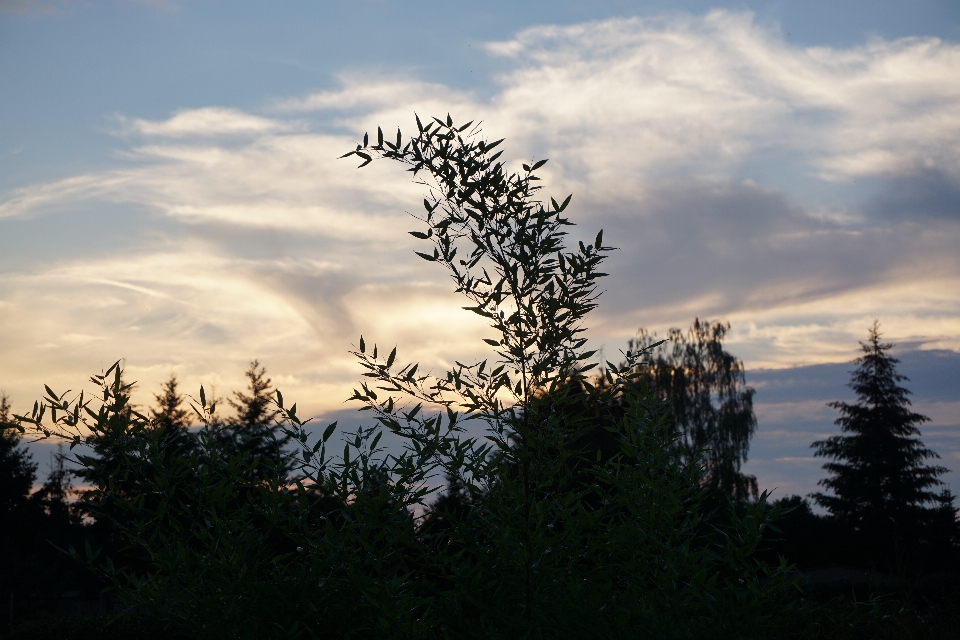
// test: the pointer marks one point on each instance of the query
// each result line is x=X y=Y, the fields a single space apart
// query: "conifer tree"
x=109 y=446
x=881 y=488
x=170 y=418
x=53 y=498
x=168 y=414
x=252 y=431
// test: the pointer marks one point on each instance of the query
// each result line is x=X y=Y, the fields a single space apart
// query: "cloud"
x=205 y=122
x=920 y=194
x=705 y=93
x=34 y=199
x=798 y=193
x=364 y=93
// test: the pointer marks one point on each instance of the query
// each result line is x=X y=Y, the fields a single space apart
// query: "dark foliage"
x=101 y=627
x=576 y=514
x=252 y=432
x=169 y=416
x=883 y=494
x=34 y=527
x=710 y=403
x=17 y=470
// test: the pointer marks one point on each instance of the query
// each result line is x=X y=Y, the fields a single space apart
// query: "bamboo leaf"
x=329 y=431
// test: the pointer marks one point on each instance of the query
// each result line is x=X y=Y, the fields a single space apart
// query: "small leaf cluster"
x=513 y=267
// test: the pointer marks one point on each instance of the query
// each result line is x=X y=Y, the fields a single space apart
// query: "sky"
x=170 y=192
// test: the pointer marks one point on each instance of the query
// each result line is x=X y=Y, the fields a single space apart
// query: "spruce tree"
x=53 y=498
x=710 y=404
x=170 y=418
x=253 y=432
x=168 y=413
x=882 y=491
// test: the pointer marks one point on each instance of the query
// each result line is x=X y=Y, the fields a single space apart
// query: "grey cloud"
x=649 y=123
x=918 y=195
x=739 y=246
x=932 y=377
x=317 y=297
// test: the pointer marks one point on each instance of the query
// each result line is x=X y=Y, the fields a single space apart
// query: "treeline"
x=242 y=465
x=591 y=502
x=884 y=510
x=600 y=505
x=40 y=527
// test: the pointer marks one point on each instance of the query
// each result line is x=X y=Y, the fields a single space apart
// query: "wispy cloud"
x=205 y=122
x=797 y=192
x=705 y=93
x=365 y=93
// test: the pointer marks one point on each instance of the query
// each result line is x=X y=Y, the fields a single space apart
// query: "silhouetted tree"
x=18 y=472
x=170 y=419
x=105 y=463
x=252 y=431
x=168 y=413
x=881 y=488
x=450 y=507
x=53 y=498
x=710 y=403
x=35 y=526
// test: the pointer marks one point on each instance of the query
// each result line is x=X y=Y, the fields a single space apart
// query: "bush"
x=101 y=627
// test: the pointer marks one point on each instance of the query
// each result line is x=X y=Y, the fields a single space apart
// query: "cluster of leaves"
x=573 y=515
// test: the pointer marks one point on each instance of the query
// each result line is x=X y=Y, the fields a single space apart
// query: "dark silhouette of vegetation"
x=558 y=538
x=169 y=415
x=123 y=460
x=710 y=404
x=251 y=432
x=33 y=525
x=579 y=511
x=882 y=493
x=17 y=471
x=889 y=538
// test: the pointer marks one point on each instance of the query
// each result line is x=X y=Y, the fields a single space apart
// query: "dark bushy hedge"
x=100 y=627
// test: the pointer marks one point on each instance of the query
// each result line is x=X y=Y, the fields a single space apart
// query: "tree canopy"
x=880 y=484
x=709 y=401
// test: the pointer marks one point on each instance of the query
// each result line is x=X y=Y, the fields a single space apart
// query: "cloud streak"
x=205 y=122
